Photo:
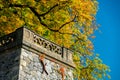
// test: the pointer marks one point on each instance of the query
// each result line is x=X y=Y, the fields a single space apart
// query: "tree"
x=69 y=23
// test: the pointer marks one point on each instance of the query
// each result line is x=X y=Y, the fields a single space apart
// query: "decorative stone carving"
x=47 y=44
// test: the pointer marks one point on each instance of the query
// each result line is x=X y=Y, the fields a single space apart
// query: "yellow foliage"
x=3 y=18
x=65 y=22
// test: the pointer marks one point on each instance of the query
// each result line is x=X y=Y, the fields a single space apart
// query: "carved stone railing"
x=27 y=39
x=48 y=45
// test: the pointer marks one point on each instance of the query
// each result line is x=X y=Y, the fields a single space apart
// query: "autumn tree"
x=69 y=23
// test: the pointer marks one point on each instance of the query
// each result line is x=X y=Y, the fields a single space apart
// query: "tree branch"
x=36 y=13
x=49 y=10
x=73 y=20
x=39 y=16
x=41 y=22
x=73 y=35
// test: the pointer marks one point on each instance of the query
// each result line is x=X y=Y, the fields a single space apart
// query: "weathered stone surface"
x=19 y=58
x=9 y=65
x=33 y=70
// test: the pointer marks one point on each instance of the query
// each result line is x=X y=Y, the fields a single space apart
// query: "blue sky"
x=107 y=42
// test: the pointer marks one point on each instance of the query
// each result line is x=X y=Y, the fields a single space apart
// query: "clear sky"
x=107 y=42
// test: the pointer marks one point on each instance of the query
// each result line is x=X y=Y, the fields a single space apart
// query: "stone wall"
x=9 y=65
x=32 y=69
x=24 y=55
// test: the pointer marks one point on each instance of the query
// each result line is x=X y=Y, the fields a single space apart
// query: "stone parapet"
x=27 y=39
